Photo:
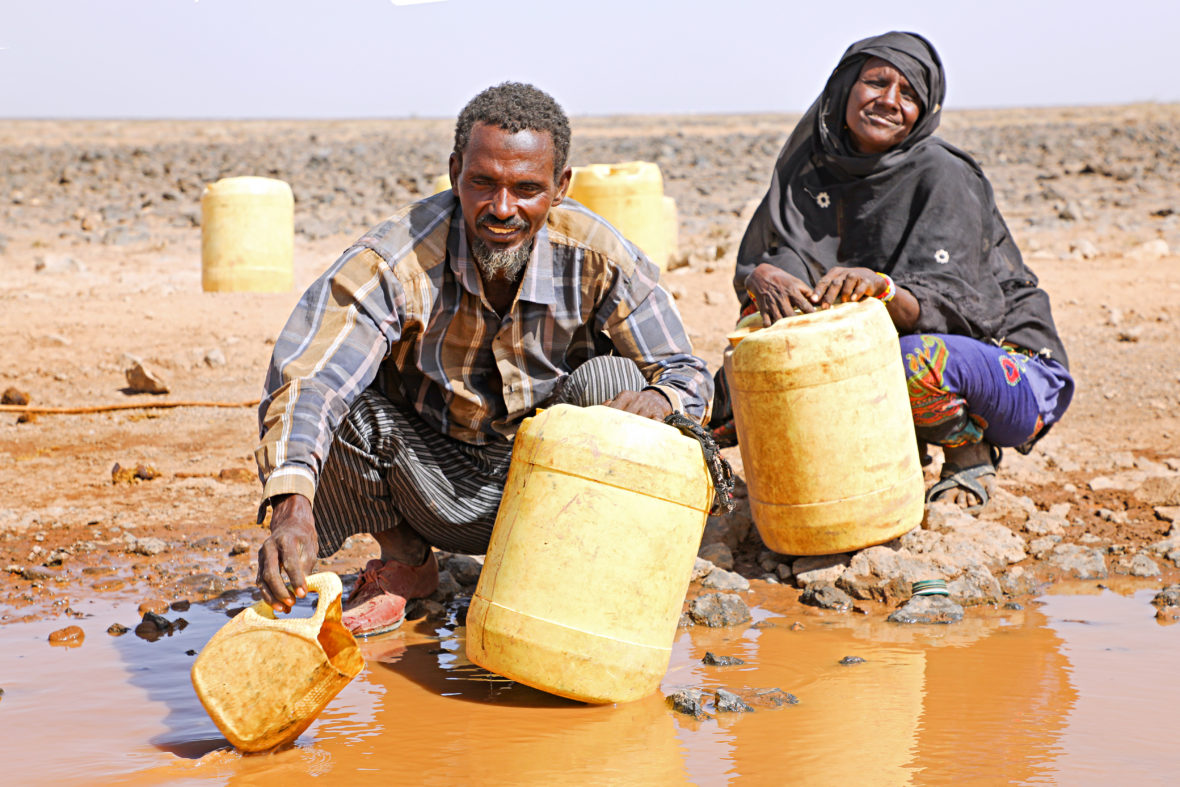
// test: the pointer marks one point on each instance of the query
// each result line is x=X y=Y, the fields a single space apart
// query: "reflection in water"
x=1078 y=691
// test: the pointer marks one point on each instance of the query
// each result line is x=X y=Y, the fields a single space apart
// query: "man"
x=398 y=383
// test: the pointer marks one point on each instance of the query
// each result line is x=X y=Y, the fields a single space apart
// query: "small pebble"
x=720 y=661
x=70 y=637
x=117 y=629
x=848 y=661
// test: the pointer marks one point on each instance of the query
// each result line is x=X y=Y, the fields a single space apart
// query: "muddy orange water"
x=1074 y=689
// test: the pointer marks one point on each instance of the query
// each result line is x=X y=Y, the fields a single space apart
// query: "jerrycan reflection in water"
x=591 y=554
x=825 y=431
x=264 y=680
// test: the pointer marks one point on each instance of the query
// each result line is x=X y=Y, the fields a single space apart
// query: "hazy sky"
x=372 y=58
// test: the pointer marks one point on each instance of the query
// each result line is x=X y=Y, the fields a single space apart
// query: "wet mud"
x=1071 y=688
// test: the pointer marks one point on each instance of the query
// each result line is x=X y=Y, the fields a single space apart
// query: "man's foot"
x=378 y=602
x=968 y=476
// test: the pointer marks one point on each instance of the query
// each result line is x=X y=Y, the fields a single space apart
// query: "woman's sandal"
x=967 y=478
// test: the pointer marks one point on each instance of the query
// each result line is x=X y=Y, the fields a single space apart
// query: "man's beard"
x=496 y=263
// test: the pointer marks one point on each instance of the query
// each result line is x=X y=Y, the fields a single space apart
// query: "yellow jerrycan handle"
x=326 y=585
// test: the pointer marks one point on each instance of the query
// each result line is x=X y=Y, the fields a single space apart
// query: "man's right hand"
x=291 y=549
x=778 y=294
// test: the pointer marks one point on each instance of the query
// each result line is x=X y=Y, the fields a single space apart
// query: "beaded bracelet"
x=890 y=289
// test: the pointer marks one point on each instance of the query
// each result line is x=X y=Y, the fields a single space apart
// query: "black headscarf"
x=922 y=212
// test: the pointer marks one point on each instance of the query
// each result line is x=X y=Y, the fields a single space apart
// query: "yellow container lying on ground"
x=263 y=680
x=631 y=197
x=825 y=431
x=591 y=554
x=247 y=235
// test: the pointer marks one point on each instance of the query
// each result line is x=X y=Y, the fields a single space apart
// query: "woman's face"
x=882 y=108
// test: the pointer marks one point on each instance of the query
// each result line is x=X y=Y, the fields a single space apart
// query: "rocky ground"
x=100 y=250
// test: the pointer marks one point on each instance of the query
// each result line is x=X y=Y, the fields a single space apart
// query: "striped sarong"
x=387 y=468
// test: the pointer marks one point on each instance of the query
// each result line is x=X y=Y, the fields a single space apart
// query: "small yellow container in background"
x=631 y=197
x=247 y=235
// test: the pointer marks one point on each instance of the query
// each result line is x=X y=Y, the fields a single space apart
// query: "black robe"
x=922 y=212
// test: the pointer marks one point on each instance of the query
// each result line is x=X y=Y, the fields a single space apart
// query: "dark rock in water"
x=117 y=629
x=720 y=661
x=1014 y=605
x=771 y=698
x=418 y=608
x=928 y=609
x=180 y=606
x=728 y=702
x=448 y=587
x=688 y=702
x=825 y=595
x=233 y=612
x=717 y=610
x=153 y=626
x=190 y=653
x=848 y=661
x=1168 y=597
x=203 y=584
x=685 y=620
x=465 y=569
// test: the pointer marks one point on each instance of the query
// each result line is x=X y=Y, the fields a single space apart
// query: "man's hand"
x=778 y=294
x=847 y=284
x=649 y=403
x=291 y=549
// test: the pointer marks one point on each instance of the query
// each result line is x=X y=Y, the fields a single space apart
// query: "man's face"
x=505 y=186
x=882 y=108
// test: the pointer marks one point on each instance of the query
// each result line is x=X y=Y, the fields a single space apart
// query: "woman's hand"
x=847 y=284
x=778 y=294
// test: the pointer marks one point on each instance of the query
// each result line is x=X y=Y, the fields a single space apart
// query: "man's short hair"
x=514 y=107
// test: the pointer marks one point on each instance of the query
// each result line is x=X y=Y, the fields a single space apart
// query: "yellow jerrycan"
x=591 y=554
x=264 y=680
x=631 y=197
x=824 y=429
x=247 y=235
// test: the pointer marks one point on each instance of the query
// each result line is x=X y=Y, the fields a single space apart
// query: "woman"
x=865 y=202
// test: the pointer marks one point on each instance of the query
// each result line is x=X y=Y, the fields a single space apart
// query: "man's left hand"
x=650 y=404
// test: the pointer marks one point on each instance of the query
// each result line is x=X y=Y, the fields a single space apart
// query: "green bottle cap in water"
x=930 y=587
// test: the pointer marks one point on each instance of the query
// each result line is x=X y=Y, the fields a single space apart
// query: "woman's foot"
x=968 y=476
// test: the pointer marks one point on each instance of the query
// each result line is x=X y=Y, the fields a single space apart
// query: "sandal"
x=967 y=478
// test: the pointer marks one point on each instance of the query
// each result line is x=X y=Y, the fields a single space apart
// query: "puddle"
x=1073 y=689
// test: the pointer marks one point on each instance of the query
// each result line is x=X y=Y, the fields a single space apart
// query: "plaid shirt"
x=403 y=310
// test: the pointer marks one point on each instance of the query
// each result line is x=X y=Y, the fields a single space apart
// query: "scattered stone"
x=117 y=629
x=57 y=264
x=1039 y=547
x=819 y=568
x=147 y=545
x=214 y=358
x=14 y=396
x=448 y=587
x=1045 y=523
x=126 y=475
x=689 y=702
x=1150 y=250
x=1168 y=597
x=927 y=609
x=1160 y=491
x=153 y=626
x=37 y=573
x=418 y=608
x=718 y=610
x=109 y=585
x=720 y=579
x=465 y=569
x=700 y=568
x=719 y=554
x=140 y=379
x=240 y=547
x=976 y=585
x=825 y=595
x=771 y=698
x=848 y=661
x=203 y=585
x=180 y=605
x=1079 y=561
x=1015 y=606
x=720 y=661
x=1168 y=513
x=69 y=637
x=237 y=475
x=1140 y=566
x=727 y=702
x=156 y=605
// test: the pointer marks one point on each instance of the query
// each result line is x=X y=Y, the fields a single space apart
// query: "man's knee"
x=598 y=380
